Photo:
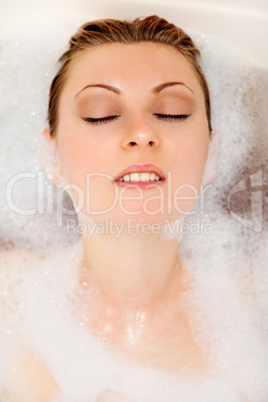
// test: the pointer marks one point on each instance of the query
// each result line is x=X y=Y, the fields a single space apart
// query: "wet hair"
x=150 y=29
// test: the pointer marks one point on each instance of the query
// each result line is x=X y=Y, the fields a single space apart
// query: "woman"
x=130 y=130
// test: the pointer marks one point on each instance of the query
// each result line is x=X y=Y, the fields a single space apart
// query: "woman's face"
x=132 y=134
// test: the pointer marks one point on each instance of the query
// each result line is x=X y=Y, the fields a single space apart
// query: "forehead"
x=143 y=65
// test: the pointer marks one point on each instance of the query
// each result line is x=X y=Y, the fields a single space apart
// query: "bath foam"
x=85 y=368
x=45 y=297
x=231 y=320
x=230 y=259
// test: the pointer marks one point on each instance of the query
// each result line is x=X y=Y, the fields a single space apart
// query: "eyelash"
x=172 y=117
x=166 y=117
x=100 y=120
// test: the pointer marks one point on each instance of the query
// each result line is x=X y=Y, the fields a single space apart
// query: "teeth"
x=134 y=177
x=145 y=177
x=137 y=177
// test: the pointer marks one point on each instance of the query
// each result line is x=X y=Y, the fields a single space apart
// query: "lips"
x=143 y=175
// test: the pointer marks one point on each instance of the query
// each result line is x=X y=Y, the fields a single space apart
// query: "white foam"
x=83 y=367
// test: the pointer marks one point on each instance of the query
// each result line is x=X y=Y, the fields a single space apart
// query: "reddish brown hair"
x=149 y=29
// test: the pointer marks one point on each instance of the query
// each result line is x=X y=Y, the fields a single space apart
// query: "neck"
x=136 y=298
x=132 y=270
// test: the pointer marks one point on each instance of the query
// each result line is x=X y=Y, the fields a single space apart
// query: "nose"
x=140 y=134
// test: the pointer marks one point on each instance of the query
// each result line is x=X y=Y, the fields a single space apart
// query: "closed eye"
x=172 y=117
x=107 y=119
x=100 y=120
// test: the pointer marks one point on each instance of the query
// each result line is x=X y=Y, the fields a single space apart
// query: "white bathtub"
x=241 y=22
x=26 y=74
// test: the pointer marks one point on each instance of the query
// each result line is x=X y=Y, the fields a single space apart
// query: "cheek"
x=77 y=158
x=187 y=166
x=83 y=165
x=189 y=157
x=195 y=158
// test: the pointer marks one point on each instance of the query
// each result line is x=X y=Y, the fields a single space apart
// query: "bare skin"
x=138 y=281
x=146 y=329
x=138 y=278
x=146 y=326
x=33 y=382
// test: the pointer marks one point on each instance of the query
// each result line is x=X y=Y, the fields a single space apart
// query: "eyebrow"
x=156 y=90
x=109 y=87
x=160 y=87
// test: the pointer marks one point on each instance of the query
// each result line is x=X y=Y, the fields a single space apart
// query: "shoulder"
x=32 y=381
x=23 y=375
